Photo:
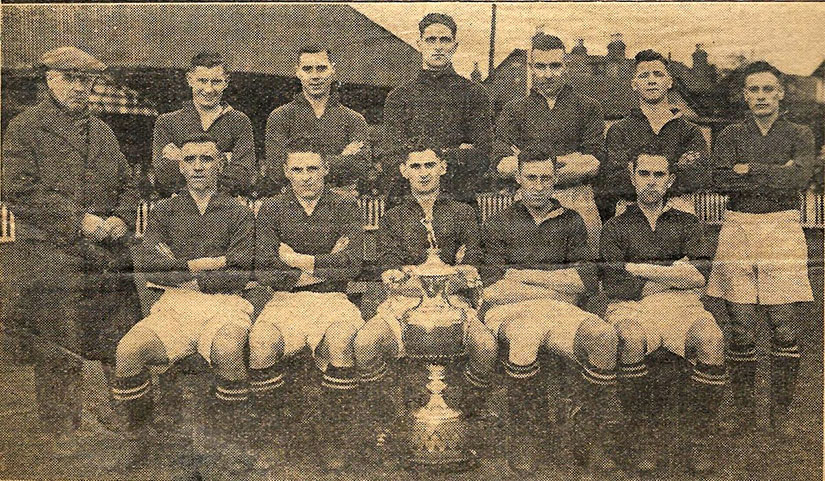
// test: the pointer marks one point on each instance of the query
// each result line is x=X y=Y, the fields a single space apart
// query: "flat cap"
x=71 y=59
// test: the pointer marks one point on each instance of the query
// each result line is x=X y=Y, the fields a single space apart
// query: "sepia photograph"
x=404 y=240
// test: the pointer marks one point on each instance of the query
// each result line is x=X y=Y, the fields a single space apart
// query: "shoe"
x=522 y=453
x=701 y=458
x=782 y=424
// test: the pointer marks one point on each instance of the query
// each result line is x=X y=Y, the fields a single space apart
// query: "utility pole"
x=491 y=66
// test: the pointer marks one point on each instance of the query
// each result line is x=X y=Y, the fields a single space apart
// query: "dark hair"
x=303 y=144
x=650 y=150
x=208 y=59
x=434 y=18
x=538 y=152
x=314 y=49
x=543 y=41
x=420 y=144
x=198 y=138
x=649 y=55
x=759 y=67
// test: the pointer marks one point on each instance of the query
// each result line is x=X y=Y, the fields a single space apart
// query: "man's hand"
x=191 y=285
x=340 y=245
x=689 y=158
x=393 y=277
x=575 y=165
x=115 y=227
x=507 y=166
x=207 y=264
x=465 y=146
x=352 y=148
x=742 y=169
x=638 y=270
x=93 y=227
x=304 y=262
x=171 y=152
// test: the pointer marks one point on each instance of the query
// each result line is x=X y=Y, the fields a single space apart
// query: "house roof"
x=258 y=38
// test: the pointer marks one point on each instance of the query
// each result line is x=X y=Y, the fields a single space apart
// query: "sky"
x=789 y=35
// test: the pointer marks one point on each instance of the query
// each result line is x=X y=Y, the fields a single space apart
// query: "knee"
x=784 y=325
x=631 y=337
x=340 y=337
x=228 y=344
x=598 y=335
x=708 y=335
x=265 y=340
x=369 y=337
x=132 y=350
x=481 y=341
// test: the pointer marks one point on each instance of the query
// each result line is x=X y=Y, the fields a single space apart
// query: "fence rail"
x=710 y=207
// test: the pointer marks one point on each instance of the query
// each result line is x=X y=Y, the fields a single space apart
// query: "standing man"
x=659 y=124
x=339 y=133
x=656 y=260
x=442 y=107
x=403 y=243
x=208 y=77
x=536 y=273
x=762 y=163
x=73 y=198
x=573 y=124
x=198 y=249
x=309 y=244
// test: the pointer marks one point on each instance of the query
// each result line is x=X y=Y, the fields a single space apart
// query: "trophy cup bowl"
x=434 y=333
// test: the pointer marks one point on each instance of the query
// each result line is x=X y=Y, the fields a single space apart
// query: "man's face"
x=763 y=91
x=315 y=71
x=651 y=178
x=424 y=170
x=208 y=84
x=305 y=172
x=548 y=69
x=70 y=89
x=200 y=164
x=652 y=81
x=437 y=45
x=536 y=179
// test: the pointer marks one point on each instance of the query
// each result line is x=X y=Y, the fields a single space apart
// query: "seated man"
x=655 y=262
x=534 y=251
x=309 y=243
x=198 y=249
x=403 y=241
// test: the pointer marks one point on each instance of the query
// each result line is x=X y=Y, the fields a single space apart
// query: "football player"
x=656 y=261
x=198 y=249
x=535 y=275
x=762 y=163
x=309 y=244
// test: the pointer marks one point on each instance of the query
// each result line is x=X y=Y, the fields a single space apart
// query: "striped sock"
x=339 y=378
x=374 y=373
x=741 y=360
x=133 y=395
x=595 y=375
x=231 y=392
x=635 y=394
x=267 y=379
x=784 y=374
x=707 y=384
x=476 y=379
x=517 y=371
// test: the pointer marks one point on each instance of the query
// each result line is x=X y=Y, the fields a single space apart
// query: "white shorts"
x=761 y=259
x=549 y=320
x=393 y=309
x=304 y=317
x=665 y=317
x=187 y=321
x=580 y=199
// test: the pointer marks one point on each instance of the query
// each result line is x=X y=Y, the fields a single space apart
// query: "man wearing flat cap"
x=71 y=192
